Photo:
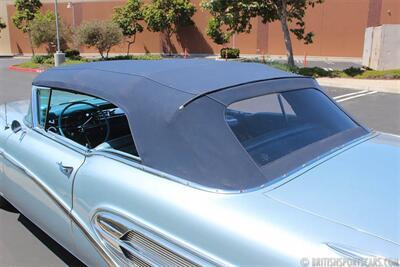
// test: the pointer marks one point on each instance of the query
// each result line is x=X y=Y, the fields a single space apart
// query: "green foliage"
x=43 y=28
x=168 y=15
x=2 y=24
x=49 y=61
x=128 y=17
x=102 y=35
x=29 y=65
x=230 y=52
x=214 y=31
x=352 y=71
x=379 y=74
x=314 y=72
x=25 y=13
x=229 y=17
x=40 y=59
x=140 y=57
x=72 y=53
x=292 y=11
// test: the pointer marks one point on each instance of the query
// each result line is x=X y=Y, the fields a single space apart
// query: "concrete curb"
x=14 y=68
x=387 y=86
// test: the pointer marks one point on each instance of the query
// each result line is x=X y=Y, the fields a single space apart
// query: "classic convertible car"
x=199 y=163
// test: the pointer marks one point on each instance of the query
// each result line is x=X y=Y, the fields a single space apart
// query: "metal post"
x=59 y=57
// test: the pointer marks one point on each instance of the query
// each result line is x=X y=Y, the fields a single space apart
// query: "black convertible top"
x=193 y=143
x=192 y=76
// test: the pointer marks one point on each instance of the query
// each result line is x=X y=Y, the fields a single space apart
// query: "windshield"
x=273 y=126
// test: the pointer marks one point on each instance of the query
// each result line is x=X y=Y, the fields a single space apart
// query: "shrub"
x=72 y=53
x=102 y=35
x=43 y=30
x=49 y=61
x=230 y=52
x=121 y=57
x=132 y=57
x=314 y=72
x=41 y=59
x=352 y=71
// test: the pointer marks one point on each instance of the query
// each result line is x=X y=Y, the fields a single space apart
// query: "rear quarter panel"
x=232 y=229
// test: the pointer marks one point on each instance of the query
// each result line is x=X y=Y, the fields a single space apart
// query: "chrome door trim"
x=168 y=242
x=61 y=205
x=62 y=140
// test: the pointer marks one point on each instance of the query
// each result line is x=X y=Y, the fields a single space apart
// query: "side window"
x=28 y=117
x=43 y=97
x=87 y=120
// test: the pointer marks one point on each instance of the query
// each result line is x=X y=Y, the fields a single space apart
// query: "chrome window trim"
x=269 y=185
x=117 y=153
x=55 y=137
x=35 y=107
x=62 y=140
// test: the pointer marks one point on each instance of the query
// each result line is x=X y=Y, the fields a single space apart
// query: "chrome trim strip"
x=349 y=253
x=364 y=258
x=145 y=230
x=62 y=140
x=61 y=205
x=273 y=184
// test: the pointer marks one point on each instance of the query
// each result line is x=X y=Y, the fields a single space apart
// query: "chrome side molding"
x=363 y=257
x=132 y=244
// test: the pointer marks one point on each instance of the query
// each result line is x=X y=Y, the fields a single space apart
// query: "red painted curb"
x=14 y=68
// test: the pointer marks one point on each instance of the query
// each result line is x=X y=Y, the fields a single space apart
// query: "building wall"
x=339 y=27
x=5 y=47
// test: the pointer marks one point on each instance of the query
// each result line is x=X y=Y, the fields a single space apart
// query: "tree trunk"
x=169 y=42
x=130 y=43
x=129 y=47
x=30 y=43
x=282 y=11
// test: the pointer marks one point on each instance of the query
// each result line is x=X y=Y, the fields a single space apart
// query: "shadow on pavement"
x=52 y=245
x=56 y=248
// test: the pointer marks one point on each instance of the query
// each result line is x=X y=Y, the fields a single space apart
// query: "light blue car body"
x=343 y=204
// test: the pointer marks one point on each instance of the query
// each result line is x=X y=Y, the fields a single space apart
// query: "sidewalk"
x=387 y=86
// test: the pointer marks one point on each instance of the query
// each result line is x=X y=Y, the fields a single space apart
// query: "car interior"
x=297 y=120
x=91 y=122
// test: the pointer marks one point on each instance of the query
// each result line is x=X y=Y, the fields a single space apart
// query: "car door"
x=39 y=174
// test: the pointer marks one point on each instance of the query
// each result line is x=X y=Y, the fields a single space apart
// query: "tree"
x=229 y=17
x=24 y=15
x=236 y=16
x=102 y=35
x=128 y=18
x=43 y=31
x=167 y=16
x=2 y=24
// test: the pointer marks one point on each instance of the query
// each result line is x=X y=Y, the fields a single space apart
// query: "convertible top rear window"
x=273 y=126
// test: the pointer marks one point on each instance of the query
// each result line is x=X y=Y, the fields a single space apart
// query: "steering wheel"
x=92 y=121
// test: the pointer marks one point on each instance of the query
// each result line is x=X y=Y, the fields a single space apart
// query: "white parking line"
x=350 y=94
x=356 y=96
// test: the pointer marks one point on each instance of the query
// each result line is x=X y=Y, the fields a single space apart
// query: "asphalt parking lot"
x=23 y=244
